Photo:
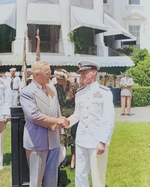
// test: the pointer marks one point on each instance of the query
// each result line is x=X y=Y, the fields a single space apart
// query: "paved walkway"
x=138 y=114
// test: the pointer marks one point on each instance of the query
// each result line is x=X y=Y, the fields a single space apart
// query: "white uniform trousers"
x=14 y=97
x=86 y=160
x=43 y=166
x=1 y=149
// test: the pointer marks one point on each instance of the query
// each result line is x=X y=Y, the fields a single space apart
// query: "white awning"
x=114 y=28
x=60 y=60
x=82 y=17
x=119 y=61
x=44 y=14
x=8 y=15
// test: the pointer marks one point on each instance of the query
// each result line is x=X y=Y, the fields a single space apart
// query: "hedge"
x=140 y=96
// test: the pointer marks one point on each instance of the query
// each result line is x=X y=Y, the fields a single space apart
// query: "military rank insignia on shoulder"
x=79 y=89
x=104 y=87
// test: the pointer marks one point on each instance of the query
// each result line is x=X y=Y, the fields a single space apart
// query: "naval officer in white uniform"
x=5 y=103
x=95 y=112
x=14 y=83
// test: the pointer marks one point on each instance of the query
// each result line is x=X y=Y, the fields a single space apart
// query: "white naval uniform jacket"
x=5 y=98
x=16 y=82
x=94 y=110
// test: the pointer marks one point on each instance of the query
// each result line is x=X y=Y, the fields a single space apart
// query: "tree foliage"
x=141 y=71
x=83 y=39
x=140 y=55
x=136 y=55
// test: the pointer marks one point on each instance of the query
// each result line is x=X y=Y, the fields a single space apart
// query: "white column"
x=65 y=46
x=21 y=26
x=102 y=50
x=116 y=8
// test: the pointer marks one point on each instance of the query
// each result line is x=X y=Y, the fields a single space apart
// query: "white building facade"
x=134 y=16
x=114 y=22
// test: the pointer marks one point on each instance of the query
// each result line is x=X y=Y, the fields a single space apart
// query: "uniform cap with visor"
x=87 y=65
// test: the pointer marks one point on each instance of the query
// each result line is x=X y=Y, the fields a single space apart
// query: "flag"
x=24 y=66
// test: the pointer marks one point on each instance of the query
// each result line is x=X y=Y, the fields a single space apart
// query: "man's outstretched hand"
x=63 y=122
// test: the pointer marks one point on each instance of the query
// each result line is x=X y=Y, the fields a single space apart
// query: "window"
x=134 y=2
x=105 y=1
x=82 y=3
x=49 y=35
x=135 y=31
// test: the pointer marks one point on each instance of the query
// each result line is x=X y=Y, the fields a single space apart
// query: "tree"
x=140 y=55
x=141 y=72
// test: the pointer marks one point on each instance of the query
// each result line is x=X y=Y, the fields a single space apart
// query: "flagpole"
x=38 y=45
x=24 y=66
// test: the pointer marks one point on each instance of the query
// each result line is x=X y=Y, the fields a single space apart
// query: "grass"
x=5 y=173
x=128 y=159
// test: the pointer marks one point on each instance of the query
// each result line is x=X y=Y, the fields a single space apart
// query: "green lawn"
x=128 y=160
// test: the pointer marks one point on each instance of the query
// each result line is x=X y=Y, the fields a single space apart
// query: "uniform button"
x=87 y=107
x=87 y=98
x=86 y=116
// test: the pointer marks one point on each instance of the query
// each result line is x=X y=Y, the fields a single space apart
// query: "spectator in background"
x=29 y=76
x=14 y=83
x=115 y=88
x=100 y=80
x=105 y=82
x=115 y=83
x=76 y=83
x=126 y=84
x=5 y=103
x=66 y=91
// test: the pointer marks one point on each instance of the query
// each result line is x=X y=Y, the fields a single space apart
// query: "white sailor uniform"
x=5 y=102
x=95 y=112
x=14 y=90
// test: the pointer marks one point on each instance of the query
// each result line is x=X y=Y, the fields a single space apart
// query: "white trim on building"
x=44 y=14
x=68 y=15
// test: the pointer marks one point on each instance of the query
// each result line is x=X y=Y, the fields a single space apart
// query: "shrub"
x=128 y=50
x=140 y=96
x=140 y=55
x=141 y=73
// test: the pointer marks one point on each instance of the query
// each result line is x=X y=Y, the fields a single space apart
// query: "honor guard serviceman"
x=126 y=93
x=41 y=133
x=14 y=83
x=5 y=103
x=95 y=112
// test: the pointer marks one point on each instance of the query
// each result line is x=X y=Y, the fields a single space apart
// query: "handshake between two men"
x=62 y=122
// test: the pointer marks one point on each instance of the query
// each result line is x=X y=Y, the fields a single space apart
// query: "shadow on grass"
x=63 y=179
x=7 y=159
